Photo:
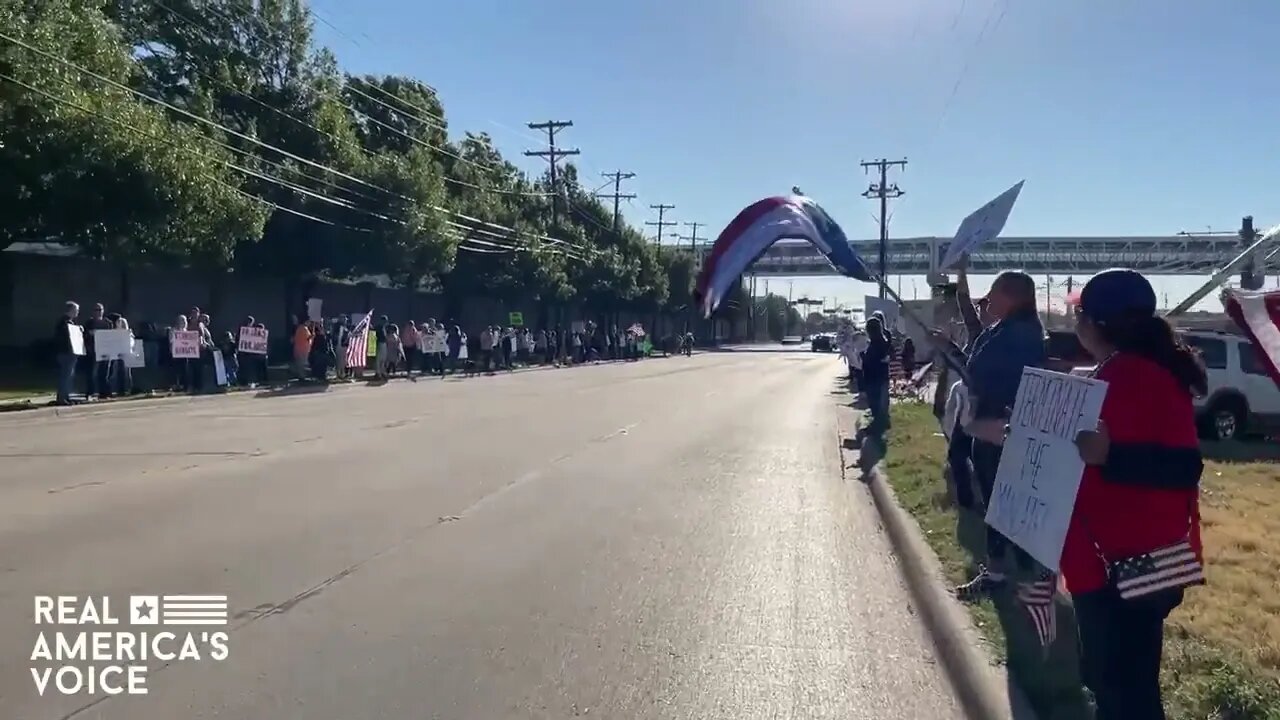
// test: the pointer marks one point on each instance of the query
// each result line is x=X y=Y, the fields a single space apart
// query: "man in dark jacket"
x=996 y=359
x=99 y=370
x=65 y=351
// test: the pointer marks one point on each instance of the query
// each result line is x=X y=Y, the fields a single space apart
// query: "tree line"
x=219 y=134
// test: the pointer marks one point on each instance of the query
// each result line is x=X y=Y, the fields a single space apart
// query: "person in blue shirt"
x=875 y=375
x=995 y=360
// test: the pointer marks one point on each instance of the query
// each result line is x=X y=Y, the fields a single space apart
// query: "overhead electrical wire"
x=267 y=30
x=255 y=141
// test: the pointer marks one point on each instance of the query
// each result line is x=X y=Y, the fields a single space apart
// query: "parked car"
x=1242 y=397
x=822 y=343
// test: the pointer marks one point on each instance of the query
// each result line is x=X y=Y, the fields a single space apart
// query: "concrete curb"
x=984 y=691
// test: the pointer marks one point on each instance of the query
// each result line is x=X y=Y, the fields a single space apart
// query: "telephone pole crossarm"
x=617 y=196
x=553 y=155
x=883 y=191
x=662 y=222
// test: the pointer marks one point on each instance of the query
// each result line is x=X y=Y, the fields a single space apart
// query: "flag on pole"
x=358 y=342
x=1037 y=598
x=1258 y=315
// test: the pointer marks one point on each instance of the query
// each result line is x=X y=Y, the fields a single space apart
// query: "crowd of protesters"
x=1142 y=461
x=319 y=351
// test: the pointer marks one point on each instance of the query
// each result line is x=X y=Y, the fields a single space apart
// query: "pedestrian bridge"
x=1178 y=255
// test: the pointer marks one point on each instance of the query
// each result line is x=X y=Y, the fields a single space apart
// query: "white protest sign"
x=75 y=334
x=184 y=344
x=137 y=357
x=982 y=225
x=219 y=369
x=872 y=304
x=1040 y=468
x=253 y=340
x=112 y=344
x=314 y=307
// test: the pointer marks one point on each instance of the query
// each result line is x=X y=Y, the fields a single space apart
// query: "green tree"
x=90 y=165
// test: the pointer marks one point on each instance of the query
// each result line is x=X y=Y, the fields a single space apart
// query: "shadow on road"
x=308 y=388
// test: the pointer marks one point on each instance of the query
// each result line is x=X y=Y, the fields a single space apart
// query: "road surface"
x=664 y=539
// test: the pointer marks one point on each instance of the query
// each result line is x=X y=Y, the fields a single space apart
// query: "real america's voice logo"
x=83 y=648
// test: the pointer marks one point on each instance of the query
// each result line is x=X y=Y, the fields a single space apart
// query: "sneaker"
x=984 y=583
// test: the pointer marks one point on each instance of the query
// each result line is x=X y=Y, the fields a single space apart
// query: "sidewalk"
x=45 y=401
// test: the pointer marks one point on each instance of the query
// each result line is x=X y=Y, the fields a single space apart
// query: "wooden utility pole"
x=883 y=191
x=662 y=223
x=693 y=238
x=617 y=176
x=553 y=156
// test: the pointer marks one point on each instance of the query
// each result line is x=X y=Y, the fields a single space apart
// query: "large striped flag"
x=358 y=342
x=1258 y=315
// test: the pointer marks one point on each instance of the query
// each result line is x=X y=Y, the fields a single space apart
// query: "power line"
x=223 y=128
x=553 y=155
x=662 y=223
x=437 y=123
x=617 y=196
x=883 y=191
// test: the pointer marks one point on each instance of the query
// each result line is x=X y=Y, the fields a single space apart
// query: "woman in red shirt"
x=1133 y=545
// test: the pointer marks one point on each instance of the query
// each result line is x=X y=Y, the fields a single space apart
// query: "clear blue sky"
x=1138 y=117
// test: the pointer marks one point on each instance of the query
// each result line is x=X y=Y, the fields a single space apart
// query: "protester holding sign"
x=1134 y=540
x=875 y=374
x=995 y=363
x=68 y=343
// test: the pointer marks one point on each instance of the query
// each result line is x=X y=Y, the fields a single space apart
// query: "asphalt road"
x=664 y=539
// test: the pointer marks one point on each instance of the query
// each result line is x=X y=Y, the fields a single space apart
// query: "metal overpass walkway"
x=1178 y=255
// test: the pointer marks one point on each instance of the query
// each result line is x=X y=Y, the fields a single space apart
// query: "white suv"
x=1242 y=397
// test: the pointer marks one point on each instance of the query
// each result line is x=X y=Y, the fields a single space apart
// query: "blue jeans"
x=958 y=452
x=878 y=403
x=66 y=376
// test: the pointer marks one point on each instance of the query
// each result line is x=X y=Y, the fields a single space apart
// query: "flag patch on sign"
x=193 y=609
x=1174 y=566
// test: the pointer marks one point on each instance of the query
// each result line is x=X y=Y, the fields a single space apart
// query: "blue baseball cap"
x=1117 y=293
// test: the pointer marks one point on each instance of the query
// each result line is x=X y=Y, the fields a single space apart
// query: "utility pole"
x=553 y=156
x=884 y=192
x=693 y=237
x=662 y=223
x=693 y=248
x=1251 y=276
x=617 y=176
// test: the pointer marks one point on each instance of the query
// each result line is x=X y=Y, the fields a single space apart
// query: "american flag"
x=1258 y=315
x=1037 y=598
x=193 y=609
x=1173 y=566
x=358 y=342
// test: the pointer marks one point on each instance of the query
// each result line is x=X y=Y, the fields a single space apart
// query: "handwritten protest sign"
x=112 y=344
x=872 y=304
x=184 y=344
x=1040 y=468
x=75 y=335
x=219 y=370
x=982 y=225
x=253 y=340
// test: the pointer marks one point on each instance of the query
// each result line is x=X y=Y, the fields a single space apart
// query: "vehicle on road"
x=823 y=343
x=1242 y=397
